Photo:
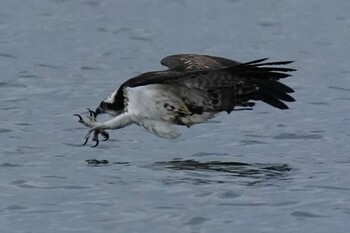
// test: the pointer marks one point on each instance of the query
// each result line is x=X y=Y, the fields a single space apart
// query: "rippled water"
x=255 y=171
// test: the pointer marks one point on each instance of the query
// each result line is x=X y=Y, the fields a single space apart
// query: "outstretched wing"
x=224 y=88
x=238 y=85
x=183 y=62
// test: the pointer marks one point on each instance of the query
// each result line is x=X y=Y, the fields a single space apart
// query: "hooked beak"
x=99 y=111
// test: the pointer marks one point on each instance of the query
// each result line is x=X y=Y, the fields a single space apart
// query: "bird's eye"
x=105 y=105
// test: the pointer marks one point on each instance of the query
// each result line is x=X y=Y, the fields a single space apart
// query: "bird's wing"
x=183 y=62
x=225 y=88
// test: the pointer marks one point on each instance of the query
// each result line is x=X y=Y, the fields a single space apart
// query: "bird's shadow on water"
x=197 y=172
x=224 y=172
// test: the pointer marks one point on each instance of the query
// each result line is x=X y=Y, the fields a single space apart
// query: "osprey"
x=192 y=90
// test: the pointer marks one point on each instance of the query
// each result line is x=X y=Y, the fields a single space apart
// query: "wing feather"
x=183 y=62
x=220 y=84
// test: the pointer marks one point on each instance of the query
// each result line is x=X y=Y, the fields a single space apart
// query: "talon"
x=80 y=118
x=95 y=138
x=105 y=135
x=95 y=144
x=86 y=140
x=92 y=113
x=87 y=136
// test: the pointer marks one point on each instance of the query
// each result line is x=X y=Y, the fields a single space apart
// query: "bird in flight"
x=194 y=89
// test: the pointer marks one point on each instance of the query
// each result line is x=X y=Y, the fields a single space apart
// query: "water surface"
x=252 y=171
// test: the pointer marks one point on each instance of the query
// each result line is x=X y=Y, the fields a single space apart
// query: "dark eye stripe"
x=105 y=105
x=109 y=105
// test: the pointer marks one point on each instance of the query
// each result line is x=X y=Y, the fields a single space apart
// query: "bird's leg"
x=117 y=122
x=92 y=124
x=95 y=136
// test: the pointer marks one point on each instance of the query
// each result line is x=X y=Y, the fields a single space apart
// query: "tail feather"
x=265 y=78
x=271 y=84
x=277 y=94
x=239 y=84
x=273 y=101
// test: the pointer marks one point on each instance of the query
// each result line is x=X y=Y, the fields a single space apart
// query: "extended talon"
x=92 y=113
x=95 y=138
x=87 y=136
x=97 y=142
x=105 y=135
x=93 y=128
x=80 y=118
x=86 y=140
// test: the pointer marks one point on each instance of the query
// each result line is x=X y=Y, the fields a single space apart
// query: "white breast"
x=147 y=102
x=146 y=107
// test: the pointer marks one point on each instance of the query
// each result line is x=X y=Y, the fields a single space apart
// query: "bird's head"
x=109 y=105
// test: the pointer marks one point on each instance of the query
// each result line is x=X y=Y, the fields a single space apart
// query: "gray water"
x=252 y=171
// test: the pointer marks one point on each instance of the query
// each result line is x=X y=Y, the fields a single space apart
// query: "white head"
x=112 y=105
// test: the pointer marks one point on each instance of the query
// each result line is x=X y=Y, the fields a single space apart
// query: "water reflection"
x=203 y=172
